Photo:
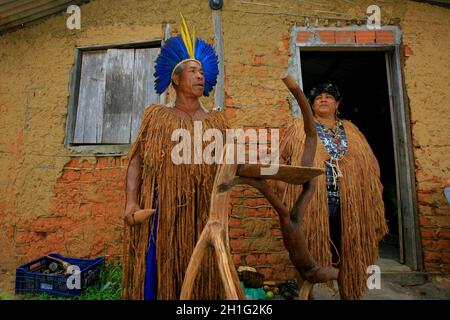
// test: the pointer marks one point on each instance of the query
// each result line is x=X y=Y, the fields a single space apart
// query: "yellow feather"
x=183 y=36
x=193 y=43
x=186 y=37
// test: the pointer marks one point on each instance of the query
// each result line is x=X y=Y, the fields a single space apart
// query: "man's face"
x=325 y=105
x=191 y=80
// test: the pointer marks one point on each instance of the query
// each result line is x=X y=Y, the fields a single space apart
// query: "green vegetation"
x=5 y=296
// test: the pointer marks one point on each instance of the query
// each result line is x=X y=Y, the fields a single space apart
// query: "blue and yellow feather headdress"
x=182 y=48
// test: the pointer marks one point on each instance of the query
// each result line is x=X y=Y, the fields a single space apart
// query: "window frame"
x=74 y=90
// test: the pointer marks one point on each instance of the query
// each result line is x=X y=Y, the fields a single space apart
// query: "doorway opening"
x=362 y=79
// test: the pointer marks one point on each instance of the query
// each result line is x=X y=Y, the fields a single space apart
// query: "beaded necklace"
x=333 y=139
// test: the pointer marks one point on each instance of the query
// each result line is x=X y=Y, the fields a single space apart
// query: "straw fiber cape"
x=362 y=209
x=184 y=195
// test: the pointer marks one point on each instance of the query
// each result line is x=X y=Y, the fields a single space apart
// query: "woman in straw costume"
x=345 y=220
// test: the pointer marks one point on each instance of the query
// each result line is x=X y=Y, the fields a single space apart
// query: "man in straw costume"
x=176 y=197
x=345 y=220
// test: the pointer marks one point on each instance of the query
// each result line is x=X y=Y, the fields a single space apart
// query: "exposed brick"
x=443 y=211
x=98 y=209
x=232 y=222
x=278 y=259
x=229 y=102
x=86 y=176
x=237 y=260
x=290 y=273
x=408 y=51
x=433 y=267
x=429 y=256
x=103 y=162
x=267 y=272
x=236 y=232
x=276 y=233
x=23 y=237
x=120 y=184
x=425 y=210
x=251 y=260
x=73 y=163
x=345 y=37
x=367 y=36
x=85 y=164
x=304 y=36
x=428 y=233
x=236 y=200
x=255 y=201
x=55 y=238
x=436 y=244
x=237 y=245
x=438 y=221
x=46 y=225
x=328 y=36
x=250 y=192
x=444 y=233
x=286 y=42
x=261 y=259
x=85 y=208
x=117 y=161
x=264 y=212
x=258 y=60
x=446 y=258
x=71 y=175
x=424 y=198
x=384 y=36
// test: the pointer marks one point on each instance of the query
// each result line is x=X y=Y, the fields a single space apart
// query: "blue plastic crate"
x=30 y=277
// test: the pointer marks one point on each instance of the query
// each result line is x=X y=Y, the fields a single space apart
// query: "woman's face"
x=325 y=105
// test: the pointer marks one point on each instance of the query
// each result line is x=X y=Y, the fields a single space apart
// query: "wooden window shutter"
x=116 y=86
x=91 y=98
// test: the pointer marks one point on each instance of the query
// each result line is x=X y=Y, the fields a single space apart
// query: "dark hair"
x=324 y=88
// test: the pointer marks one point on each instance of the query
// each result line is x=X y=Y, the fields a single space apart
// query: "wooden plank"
x=408 y=205
x=288 y=174
x=91 y=98
x=143 y=85
x=396 y=157
x=218 y=37
x=118 y=96
x=74 y=87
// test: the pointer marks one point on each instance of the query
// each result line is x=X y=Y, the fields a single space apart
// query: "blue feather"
x=175 y=51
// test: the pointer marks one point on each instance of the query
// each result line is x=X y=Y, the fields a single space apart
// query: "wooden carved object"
x=215 y=234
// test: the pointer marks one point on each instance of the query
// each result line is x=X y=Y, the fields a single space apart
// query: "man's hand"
x=135 y=215
x=129 y=213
